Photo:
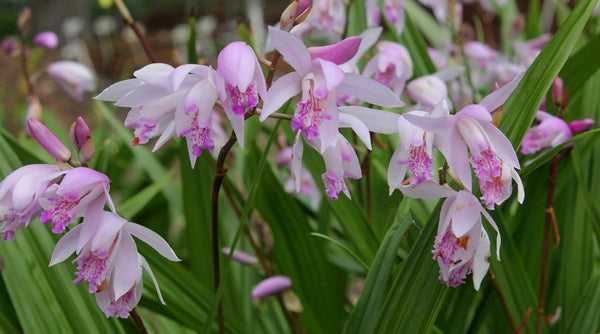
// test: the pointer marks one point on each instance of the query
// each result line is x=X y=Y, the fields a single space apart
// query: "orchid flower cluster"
x=165 y=102
x=460 y=156
x=106 y=255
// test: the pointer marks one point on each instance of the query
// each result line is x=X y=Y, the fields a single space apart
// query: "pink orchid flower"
x=492 y=156
x=109 y=261
x=462 y=245
x=391 y=66
x=394 y=12
x=167 y=101
x=319 y=77
x=240 y=83
x=82 y=191
x=73 y=77
x=20 y=193
x=551 y=132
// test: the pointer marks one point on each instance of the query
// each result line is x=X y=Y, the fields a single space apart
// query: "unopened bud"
x=271 y=286
x=302 y=11
x=581 y=125
x=24 y=21
x=46 y=39
x=286 y=21
x=427 y=90
x=81 y=138
x=558 y=91
x=48 y=140
x=9 y=46
x=240 y=256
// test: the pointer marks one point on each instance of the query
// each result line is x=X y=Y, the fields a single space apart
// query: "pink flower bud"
x=24 y=21
x=81 y=138
x=9 y=46
x=34 y=108
x=46 y=39
x=271 y=286
x=302 y=9
x=241 y=257
x=427 y=90
x=48 y=140
x=581 y=125
x=558 y=90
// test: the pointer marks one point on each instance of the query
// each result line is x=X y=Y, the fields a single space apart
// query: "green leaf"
x=342 y=246
x=192 y=53
x=357 y=18
x=581 y=66
x=587 y=314
x=520 y=109
x=133 y=205
x=416 y=295
x=363 y=316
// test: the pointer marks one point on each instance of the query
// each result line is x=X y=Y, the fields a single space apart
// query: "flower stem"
x=131 y=23
x=139 y=323
x=511 y=321
x=549 y=214
x=220 y=172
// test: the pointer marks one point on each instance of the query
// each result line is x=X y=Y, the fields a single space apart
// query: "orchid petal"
x=107 y=230
x=127 y=268
x=167 y=134
x=434 y=124
x=493 y=223
x=520 y=190
x=282 y=90
x=480 y=263
x=332 y=73
x=338 y=53
x=427 y=189
x=152 y=239
x=180 y=73
x=450 y=73
x=292 y=49
x=151 y=274
x=496 y=99
x=376 y=120
x=501 y=144
x=358 y=126
x=65 y=246
x=459 y=160
x=117 y=90
x=467 y=213
x=396 y=170
x=369 y=37
x=155 y=74
x=369 y=91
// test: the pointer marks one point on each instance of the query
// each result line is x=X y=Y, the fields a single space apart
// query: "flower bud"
x=427 y=90
x=302 y=10
x=581 y=125
x=241 y=257
x=24 y=21
x=286 y=21
x=9 y=46
x=48 y=140
x=271 y=286
x=558 y=91
x=46 y=39
x=81 y=138
x=73 y=77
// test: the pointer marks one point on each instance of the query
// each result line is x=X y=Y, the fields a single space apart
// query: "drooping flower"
x=240 y=83
x=462 y=245
x=551 y=132
x=82 y=192
x=271 y=286
x=20 y=192
x=108 y=260
x=319 y=77
x=46 y=39
x=73 y=77
x=391 y=66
